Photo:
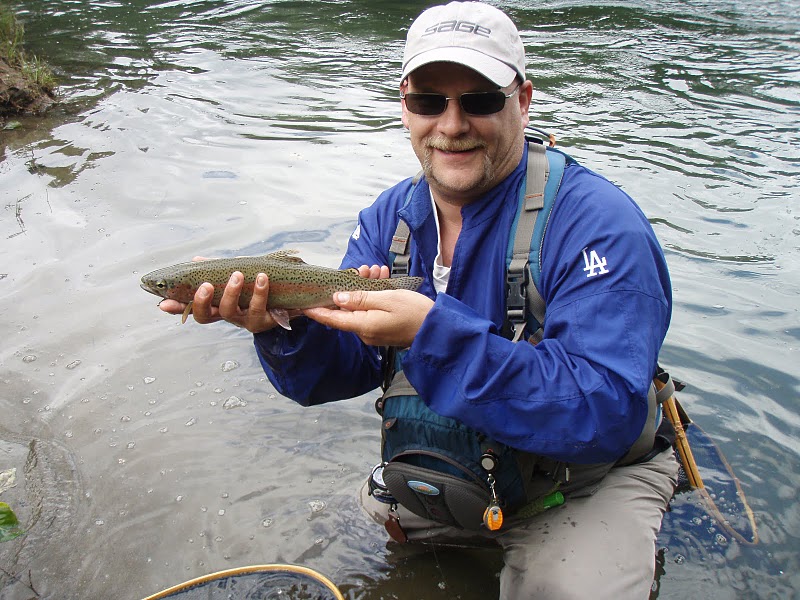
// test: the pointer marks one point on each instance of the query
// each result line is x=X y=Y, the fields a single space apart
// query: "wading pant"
x=599 y=546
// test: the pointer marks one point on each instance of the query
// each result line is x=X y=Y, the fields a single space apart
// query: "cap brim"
x=492 y=69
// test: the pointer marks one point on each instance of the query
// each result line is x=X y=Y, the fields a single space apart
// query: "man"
x=578 y=399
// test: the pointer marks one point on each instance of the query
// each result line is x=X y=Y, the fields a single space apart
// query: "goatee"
x=484 y=182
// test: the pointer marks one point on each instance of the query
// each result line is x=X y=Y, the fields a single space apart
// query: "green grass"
x=31 y=67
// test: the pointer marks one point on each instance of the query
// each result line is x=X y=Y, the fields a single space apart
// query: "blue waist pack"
x=442 y=470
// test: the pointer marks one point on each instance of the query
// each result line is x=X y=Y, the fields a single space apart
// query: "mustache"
x=450 y=145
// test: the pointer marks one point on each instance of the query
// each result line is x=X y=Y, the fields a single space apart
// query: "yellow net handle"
x=693 y=474
x=247 y=571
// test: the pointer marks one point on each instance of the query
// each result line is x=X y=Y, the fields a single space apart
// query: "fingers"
x=229 y=303
x=256 y=317
x=354 y=316
x=201 y=306
x=338 y=319
x=374 y=272
x=257 y=310
x=172 y=307
x=260 y=293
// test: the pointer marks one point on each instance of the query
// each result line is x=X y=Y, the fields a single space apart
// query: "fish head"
x=173 y=283
x=155 y=284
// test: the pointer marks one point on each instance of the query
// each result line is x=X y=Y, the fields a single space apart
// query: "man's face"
x=464 y=155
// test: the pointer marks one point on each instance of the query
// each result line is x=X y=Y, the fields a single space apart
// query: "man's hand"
x=385 y=318
x=255 y=318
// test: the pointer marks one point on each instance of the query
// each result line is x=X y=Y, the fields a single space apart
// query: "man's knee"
x=565 y=580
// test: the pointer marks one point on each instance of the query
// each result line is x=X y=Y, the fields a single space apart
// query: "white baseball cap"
x=474 y=34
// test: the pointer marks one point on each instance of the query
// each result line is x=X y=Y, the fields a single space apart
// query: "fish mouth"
x=146 y=288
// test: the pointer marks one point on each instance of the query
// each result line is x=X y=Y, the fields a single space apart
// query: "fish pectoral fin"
x=186 y=312
x=281 y=316
x=285 y=256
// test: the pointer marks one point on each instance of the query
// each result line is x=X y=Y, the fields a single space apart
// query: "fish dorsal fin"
x=351 y=271
x=286 y=256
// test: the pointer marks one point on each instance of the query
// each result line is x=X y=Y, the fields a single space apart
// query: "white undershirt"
x=441 y=274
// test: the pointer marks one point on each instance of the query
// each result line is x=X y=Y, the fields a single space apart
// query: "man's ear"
x=525 y=95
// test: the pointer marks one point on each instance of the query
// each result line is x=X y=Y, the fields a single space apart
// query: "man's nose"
x=453 y=121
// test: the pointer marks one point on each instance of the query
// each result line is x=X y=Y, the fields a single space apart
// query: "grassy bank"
x=26 y=83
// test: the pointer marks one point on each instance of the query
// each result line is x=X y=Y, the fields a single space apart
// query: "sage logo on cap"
x=462 y=26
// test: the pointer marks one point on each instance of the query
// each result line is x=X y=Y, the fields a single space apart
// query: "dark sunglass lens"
x=426 y=104
x=483 y=103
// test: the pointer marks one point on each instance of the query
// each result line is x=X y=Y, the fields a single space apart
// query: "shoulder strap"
x=524 y=303
x=399 y=250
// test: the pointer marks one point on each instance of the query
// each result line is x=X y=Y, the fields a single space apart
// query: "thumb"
x=352 y=301
x=365 y=300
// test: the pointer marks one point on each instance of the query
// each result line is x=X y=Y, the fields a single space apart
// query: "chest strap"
x=520 y=293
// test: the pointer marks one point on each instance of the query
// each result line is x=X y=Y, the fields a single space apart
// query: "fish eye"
x=161 y=284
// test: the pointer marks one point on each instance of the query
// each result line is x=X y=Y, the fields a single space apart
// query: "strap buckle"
x=516 y=292
x=400 y=267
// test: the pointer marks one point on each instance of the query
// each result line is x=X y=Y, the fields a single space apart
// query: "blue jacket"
x=580 y=395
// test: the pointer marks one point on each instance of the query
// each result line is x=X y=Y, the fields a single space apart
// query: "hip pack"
x=442 y=470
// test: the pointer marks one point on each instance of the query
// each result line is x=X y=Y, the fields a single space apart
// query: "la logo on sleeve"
x=595 y=265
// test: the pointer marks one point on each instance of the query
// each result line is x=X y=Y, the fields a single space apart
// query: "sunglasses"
x=472 y=103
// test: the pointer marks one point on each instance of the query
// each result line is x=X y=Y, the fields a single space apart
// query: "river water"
x=149 y=452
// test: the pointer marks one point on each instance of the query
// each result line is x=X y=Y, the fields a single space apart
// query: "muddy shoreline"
x=19 y=95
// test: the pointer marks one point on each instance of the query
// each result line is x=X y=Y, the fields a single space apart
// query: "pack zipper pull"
x=493 y=515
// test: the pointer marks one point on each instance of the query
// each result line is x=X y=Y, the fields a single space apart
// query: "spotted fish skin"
x=293 y=284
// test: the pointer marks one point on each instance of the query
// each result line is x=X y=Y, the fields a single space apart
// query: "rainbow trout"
x=293 y=284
